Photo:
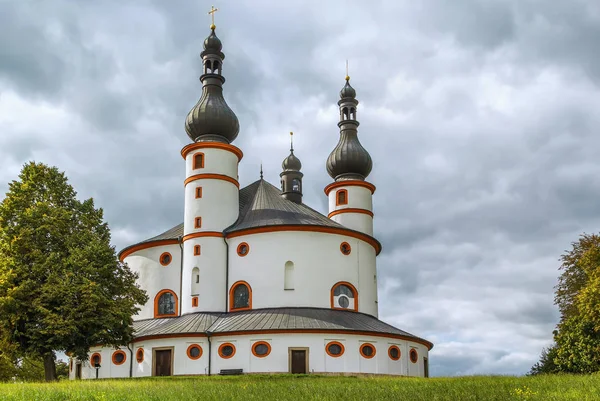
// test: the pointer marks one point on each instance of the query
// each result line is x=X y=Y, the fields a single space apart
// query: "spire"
x=261 y=171
x=291 y=177
x=211 y=119
x=348 y=160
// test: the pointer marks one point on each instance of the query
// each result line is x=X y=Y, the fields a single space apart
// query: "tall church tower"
x=349 y=164
x=211 y=187
x=291 y=177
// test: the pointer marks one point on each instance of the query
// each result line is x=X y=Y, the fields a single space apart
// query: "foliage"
x=314 y=387
x=62 y=287
x=546 y=364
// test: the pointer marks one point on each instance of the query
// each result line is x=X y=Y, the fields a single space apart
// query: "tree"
x=577 y=336
x=62 y=287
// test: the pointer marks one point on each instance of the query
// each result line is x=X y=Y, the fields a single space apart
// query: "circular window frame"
x=349 y=248
x=362 y=346
x=99 y=358
x=189 y=352
x=221 y=350
x=335 y=343
x=160 y=258
x=413 y=355
x=390 y=352
x=261 y=343
x=114 y=356
x=239 y=247
x=139 y=355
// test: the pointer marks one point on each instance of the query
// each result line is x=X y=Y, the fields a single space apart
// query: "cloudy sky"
x=481 y=118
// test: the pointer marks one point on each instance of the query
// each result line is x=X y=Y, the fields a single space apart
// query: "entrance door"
x=78 y=371
x=162 y=362
x=426 y=366
x=298 y=361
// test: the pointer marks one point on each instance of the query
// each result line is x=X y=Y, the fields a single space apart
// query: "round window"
x=226 y=350
x=414 y=356
x=95 y=359
x=344 y=301
x=165 y=258
x=118 y=357
x=345 y=248
x=335 y=349
x=367 y=351
x=243 y=249
x=261 y=349
x=194 y=351
x=394 y=352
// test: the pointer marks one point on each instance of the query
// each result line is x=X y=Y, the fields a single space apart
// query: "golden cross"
x=347 y=76
x=212 y=12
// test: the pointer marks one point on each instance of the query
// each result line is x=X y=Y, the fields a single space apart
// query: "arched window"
x=296 y=185
x=195 y=281
x=240 y=296
x=344 y=296
x=165 y=304
x=288 y=280
x=341 y=197
x=198 y=161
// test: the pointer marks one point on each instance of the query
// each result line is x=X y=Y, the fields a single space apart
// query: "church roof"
x=269 y=319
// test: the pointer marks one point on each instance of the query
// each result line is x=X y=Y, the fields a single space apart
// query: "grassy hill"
x=312 y=387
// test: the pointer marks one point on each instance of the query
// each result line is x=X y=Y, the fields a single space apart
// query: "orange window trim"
x=417 y=340
x=353 y=288
x=114 y=357
x=93 y=356
x=349 y=183
x=128 y=251
x=139 y=355
x=209 y=176
x=203 y=234
x=157 y=297
x=261 y=343
x=198 y=222
x=160 y=259
x=390 y=352
x=239 y=249
x=198 y=192
x=363 y=353
x=197 y=250
x=350 y=210
x=348 y=247
x=335 y=343
x=198 y=160
x=189 y=352
x=195 y=302
x=338 y=195
x=414 y=355
x=231 y=291
x=318 y=229
x=221 y=350
x=212 y=145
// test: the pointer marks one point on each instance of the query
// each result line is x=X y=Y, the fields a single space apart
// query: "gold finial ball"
x=291 y=133
x=213 y=26
x=347 y=77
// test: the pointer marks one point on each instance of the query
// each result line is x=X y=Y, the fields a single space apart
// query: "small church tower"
x=291 y=177
x=349 y=164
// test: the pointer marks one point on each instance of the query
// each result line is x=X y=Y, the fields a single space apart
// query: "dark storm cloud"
x=480 y=118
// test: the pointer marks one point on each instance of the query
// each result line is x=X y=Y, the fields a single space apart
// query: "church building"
x=254 y=280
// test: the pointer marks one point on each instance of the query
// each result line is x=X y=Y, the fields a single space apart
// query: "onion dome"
x=291 y=163
x=349 y=160
x=211 y=119
x=291 y=177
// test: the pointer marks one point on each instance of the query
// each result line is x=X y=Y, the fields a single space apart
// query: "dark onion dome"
x=291 y=163
x=211 y=119
x=347 y=91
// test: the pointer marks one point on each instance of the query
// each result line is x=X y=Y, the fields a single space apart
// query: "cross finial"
x=261 y=171
x=212 y=12
x=291 y=141
x=347 y=76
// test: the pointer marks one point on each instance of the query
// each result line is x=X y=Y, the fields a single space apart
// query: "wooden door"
x=162 y=362
x=298 y=361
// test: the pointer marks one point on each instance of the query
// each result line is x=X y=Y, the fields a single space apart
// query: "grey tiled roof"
x=268 y=320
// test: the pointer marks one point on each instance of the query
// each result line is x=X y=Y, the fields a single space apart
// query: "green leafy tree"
x=62 y=287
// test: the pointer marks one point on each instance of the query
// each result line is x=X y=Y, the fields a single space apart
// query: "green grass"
x=313 y=387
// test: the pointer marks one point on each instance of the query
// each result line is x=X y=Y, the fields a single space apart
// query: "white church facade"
x=254 y=280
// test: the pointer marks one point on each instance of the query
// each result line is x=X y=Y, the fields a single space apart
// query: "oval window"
x=119 y=357
x=165 y=258
x=95 y=359
x=367 y=351
x=226 y=350
x=243 y=249
x=334 y=349
x=194 y=351
x=261 y=349
x=394 y=352
x=139 y=355
x=345 y=248
x=414 y=356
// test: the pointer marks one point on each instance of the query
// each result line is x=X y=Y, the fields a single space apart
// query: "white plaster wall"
x=154 y=277
x=315 y=255
x=211 y=263
x=107 y=368
x=355 y=221
x=216 y=161
x=359 y=198
x=218 y=207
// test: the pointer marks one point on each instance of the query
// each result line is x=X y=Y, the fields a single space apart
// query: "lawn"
x=312 y=387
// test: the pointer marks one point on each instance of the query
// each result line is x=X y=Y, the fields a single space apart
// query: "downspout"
x=226 y=273
x=180 y=241
x=208 y=334
x=130 y=360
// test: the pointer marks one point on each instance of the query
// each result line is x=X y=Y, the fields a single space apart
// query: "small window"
x=334 y=349
x=198 y=222
x=226 y=350
x=195 y=281
x=119 y=357
x=165 y=258
x=240 y=296
x=198 y=192
x=261 y=349
x=296 y=185
x=197 y=250
x=165 y=304
x=288 y=278
x=341 y=197
x=194 y=351
x=198 y=161
x=367 y=350
x=414 y=356
x=243 y=249
x=139 y=355
x=394 y=352
x=345 y=248
x=96 y=359
x=194 y=302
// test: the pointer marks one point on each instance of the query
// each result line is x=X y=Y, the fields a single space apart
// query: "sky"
x=481 y=118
